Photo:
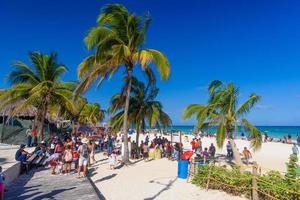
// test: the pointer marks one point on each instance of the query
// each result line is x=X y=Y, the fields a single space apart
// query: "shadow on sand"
x=167 y=186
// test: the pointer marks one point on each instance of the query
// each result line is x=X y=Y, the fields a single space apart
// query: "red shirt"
x=193 y=143
x=34 y=132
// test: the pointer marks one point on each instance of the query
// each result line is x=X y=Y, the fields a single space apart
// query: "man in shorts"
x=247 y=155
x=83 y=152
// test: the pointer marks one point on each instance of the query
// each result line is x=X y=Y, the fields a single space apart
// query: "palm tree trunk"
x=125 y=122
x=40 y=122
x=236 y=153
x=137 y=134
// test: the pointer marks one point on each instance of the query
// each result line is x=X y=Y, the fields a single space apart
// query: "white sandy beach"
x=271 y=156
x=157 y=179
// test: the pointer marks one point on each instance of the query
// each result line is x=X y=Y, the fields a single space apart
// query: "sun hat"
x=84 y=140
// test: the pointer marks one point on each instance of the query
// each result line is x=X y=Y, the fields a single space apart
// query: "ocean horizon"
x=273 y=131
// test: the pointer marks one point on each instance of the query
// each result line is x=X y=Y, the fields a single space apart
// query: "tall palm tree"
x=91 y=114
x=39 y=86
x=117 y=41
x=223 y=111
x=143 y=108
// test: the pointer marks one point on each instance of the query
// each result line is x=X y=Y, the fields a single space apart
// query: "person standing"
x=247 y=155
x=145 y=151
x=193 y=144
x=83 y=152
x=212 y=150
x=109 y=145
x=68 y=159
x=298 y=140
x=34 y=135
x=229 y=150
x=295 y=149
x=29 y=136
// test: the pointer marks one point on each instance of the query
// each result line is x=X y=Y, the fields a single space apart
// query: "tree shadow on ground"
x=101 y=160
x=219 y=158
x=105 y=178
x=167 y=186
x=17 y=188
x=49 y=195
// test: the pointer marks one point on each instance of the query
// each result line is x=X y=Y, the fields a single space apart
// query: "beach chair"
x=38 y=162
x=29 y=162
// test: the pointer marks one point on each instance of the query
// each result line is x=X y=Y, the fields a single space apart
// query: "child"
x=68 y=159
x=2 y=186
x=112 y=160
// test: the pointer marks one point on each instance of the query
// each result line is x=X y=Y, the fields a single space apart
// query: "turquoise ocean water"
x=273 y=131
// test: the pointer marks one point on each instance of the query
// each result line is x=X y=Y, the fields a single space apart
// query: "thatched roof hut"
x=7 y=110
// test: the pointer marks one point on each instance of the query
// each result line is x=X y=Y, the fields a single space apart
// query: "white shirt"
x=28 y=132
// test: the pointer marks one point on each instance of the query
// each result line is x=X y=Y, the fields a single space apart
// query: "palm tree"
x=91 y=113
x=73 y=115
x=117 y=41
x=39 y=86
x=223 y=111
x=143 y=108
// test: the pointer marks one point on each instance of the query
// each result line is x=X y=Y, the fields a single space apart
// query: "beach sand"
x=156 y=179
x=271 y=156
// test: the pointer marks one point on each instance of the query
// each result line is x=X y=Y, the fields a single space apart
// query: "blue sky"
x=255 y=44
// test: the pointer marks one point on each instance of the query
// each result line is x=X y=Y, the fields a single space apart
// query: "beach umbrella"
x=85 y=129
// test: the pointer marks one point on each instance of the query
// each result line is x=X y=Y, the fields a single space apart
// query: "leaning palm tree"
x=117 y=41
x=223 y=111
x=91 y=114
x=39 y=86
x=143 y=109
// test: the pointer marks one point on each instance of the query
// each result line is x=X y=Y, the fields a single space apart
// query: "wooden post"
x=208 y=178
x=254 y=182
x=180 y=137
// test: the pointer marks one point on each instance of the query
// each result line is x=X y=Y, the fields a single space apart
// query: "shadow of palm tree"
x=167 y=186
x=105 y=178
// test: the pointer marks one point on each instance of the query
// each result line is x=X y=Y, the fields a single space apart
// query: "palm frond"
x=254 y=133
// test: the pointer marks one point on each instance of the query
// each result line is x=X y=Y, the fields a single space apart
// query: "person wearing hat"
x=21 y=154
x=83 y=152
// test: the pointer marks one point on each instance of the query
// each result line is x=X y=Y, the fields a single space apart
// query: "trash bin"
x=183 y=169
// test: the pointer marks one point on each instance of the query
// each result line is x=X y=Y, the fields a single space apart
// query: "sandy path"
x=156 y=179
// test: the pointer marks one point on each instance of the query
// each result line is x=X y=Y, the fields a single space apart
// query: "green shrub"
x=232 y=181
x=236 y=182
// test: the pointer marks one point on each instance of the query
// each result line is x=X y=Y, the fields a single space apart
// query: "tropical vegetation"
x=143 y=108
x=271 y=185
x=222 y=110
x=39 y=85
x=91 y=114
x=117 y=42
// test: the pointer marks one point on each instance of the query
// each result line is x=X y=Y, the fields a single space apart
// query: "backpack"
x=84 y=152
x=68 y=156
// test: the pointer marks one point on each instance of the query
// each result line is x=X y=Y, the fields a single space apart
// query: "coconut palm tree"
x=117 y=42
x=91 y=114
x=73 y=115
x=39 y=86
x=143 y=108
x=223 y=111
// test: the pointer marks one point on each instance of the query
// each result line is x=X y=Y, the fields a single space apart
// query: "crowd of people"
x=61 y=154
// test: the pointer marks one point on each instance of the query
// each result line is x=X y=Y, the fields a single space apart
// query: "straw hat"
x=84 y=140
